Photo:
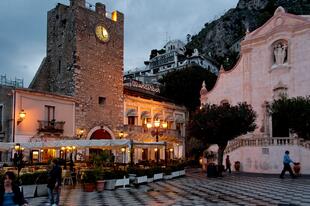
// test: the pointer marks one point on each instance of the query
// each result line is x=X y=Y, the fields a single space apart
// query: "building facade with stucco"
x=274 y=61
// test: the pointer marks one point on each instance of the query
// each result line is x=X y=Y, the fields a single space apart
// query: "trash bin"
x=211 y=170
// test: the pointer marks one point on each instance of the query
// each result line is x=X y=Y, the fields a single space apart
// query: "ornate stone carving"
x=280 y=53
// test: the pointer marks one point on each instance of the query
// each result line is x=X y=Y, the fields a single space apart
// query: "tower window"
x=59 y=66
x=102 y=101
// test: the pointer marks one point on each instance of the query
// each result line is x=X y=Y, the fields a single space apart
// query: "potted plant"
x=150 y=174
x=140 y=175
x=237 y=166
x=158 y=173
x=110 y=180
x=168 y=172
x=89 y=181
x=296 y=168
x=34 y=184
x=99 y=180
x=122 y=178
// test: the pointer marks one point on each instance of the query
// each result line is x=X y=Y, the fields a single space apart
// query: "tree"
x=217 y=124
x=293 y=113
x=183 y=86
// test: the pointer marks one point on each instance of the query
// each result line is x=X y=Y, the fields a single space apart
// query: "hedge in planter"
x=34 y=178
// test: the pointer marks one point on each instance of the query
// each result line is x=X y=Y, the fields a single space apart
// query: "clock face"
x=102 y=34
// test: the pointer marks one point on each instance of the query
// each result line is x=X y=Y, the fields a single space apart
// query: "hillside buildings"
x=172 y=57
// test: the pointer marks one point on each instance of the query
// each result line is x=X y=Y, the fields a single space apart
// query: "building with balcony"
x=173 y=56
x=143 y=108
x=33 y=116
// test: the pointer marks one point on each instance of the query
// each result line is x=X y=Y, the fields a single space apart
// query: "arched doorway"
x=100 y=133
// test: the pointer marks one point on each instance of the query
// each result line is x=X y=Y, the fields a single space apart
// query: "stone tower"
x=85 y=60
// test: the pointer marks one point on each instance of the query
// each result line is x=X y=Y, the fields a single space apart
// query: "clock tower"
x=85 y=60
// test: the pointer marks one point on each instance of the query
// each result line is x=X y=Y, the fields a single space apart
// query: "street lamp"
x=171 y=152
x=18 y=158
x=123 y=153
x=22 y=116
x=157 y=132
x=80 y=133
x=121 y=134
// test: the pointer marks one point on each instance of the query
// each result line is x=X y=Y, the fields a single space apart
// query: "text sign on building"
x=147 y=87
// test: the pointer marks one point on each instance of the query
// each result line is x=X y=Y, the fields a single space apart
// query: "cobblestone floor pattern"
x=196 y=189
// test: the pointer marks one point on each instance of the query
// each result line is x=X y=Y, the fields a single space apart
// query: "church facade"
x=274 y=62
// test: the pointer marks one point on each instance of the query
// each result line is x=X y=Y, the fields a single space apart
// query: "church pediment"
x=280 y=20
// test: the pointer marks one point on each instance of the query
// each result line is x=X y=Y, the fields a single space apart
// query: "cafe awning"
x=108 y=144
x=65 y=143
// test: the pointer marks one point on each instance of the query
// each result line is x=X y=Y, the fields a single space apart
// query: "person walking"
x=228 y=164
x=10 y=194
x=54 y=183
x=286 y=165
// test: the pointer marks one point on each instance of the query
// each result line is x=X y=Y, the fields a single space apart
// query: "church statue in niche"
x=280 y=53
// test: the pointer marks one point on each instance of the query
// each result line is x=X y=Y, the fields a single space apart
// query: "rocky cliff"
x=220 y=39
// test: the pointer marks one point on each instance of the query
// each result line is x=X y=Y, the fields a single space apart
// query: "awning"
x=132 y=113
x=148 y=144
x=145 y=114
x=158 y=116
x=109 y=144
x=64 y=143
x=169 y=118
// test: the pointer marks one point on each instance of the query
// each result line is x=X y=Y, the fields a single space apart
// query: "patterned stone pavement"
x=196 y=189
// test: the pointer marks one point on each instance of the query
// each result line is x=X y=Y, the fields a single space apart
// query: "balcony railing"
x=51 y=126
x=265 y=142
x=141 y=129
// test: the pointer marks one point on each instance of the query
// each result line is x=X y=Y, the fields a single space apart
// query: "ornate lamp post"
x=158 y=131
x=18 y=158
x=123 y=154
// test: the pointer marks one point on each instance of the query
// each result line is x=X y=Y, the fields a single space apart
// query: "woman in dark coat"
x=10 y=194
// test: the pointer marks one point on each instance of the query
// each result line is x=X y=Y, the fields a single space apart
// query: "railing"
x=141 y=129
x=51 y=126
x=263 y=141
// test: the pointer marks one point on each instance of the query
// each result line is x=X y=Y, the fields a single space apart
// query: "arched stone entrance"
x=96 y=133
x=100 y=132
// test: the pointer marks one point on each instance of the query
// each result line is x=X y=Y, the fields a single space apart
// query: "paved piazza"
x=196 y=189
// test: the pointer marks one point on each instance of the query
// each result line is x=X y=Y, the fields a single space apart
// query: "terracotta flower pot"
x=100 y=185
x=237 y=166
x=89 y=187
x=296 y=168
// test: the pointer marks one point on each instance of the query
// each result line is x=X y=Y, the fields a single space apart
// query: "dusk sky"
x=148 y=25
